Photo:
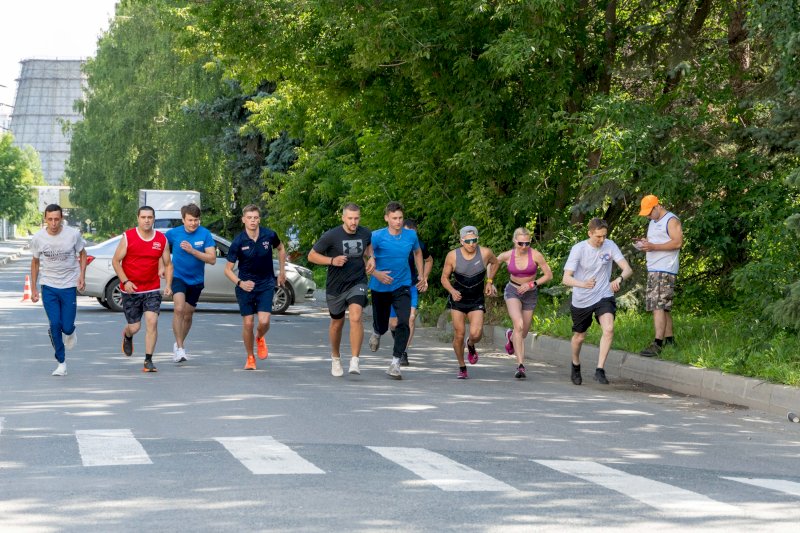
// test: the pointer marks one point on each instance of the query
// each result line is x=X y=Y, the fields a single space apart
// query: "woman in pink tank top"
x=522 y=292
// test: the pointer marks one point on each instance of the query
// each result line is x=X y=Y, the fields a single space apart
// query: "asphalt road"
x=207 y=446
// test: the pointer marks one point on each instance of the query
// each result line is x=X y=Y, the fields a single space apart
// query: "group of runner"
x=389 y=264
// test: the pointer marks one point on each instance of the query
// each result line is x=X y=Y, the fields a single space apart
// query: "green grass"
x=719 y=340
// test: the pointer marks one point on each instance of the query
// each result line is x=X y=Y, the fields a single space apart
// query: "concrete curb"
x=5 y=259
x=705 y=383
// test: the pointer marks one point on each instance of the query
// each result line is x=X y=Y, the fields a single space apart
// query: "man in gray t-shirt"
x=59 y=255
x=588 y=272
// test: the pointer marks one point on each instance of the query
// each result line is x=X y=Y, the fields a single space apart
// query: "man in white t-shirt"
x=60 y=257
x=588 y=272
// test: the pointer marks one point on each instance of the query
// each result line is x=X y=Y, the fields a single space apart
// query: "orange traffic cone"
x=26 y=293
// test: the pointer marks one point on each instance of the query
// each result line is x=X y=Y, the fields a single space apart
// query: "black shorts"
x=135 y=305
x=192 y=292
x=338 y=303
x=466 y=306
x=582 y=316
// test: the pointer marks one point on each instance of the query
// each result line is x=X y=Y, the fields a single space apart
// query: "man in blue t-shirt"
x=255 y=282
x=192 y=247
x=390 y=284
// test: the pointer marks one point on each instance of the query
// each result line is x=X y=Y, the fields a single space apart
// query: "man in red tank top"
x=136 y=261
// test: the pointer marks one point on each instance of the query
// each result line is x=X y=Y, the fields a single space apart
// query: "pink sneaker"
x=472 y=355
x=462 y=374
x=509 y=344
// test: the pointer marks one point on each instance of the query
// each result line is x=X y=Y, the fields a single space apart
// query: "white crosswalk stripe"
x=265 y=455
x=110 y=447
x=661 y=496
x=441 y=471
x=781 y=485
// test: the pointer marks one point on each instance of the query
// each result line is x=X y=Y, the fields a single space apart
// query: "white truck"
x=167 y=205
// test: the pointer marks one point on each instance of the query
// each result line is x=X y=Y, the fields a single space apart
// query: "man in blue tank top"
x=390 y=284
x=662 y=246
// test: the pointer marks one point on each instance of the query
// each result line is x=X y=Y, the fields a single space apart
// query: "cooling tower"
x=46 y=91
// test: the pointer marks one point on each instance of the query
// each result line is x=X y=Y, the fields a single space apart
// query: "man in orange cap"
x=662 y=246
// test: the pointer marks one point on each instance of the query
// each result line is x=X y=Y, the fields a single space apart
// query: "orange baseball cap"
x=648 y=203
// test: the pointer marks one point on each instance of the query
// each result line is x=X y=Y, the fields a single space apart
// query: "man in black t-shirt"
x=347 y=251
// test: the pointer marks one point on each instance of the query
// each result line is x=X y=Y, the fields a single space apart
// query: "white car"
x=102 y=282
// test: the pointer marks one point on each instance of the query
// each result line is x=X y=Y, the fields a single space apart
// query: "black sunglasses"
x=471 y=241
x=524 y=243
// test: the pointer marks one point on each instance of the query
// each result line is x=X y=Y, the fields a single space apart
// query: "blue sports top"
x=391 y=254
x=255 y=257
x=187 y=267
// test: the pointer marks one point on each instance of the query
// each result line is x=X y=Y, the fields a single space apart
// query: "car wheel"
x=114 y=295
x=283 y=298
x=102 y=301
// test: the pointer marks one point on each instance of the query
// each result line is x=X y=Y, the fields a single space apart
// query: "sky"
x=47 y=29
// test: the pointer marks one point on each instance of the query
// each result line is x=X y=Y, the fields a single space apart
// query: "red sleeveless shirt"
x=141 y=260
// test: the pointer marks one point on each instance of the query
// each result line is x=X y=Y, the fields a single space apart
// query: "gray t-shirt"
x=586 y=262
x=57 y=255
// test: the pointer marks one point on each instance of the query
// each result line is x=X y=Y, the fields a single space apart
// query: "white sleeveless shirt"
x=661 y=260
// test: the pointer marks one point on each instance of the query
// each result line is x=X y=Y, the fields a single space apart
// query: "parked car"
x=102 y=282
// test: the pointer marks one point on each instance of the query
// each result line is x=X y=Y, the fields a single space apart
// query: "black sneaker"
x=127 y=345
x=600 y=376
x=520 y=372
x=576 y=374
x=404 y=359
x=149 y=366
x=669 y=341
x=651 y=351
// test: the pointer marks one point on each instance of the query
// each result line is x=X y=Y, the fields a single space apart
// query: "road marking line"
x=661 y=496
x=781 y=485
x=445 y=473
x=2 y=420
x=265 y=455
x=110 y=447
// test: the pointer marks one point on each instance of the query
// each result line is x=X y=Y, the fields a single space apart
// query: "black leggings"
x=382 y=303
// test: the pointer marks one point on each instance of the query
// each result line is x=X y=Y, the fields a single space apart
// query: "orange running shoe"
x=251 y=362
x=261 y=346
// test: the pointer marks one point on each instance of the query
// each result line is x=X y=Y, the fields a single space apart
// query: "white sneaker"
x=178 y=354
x=394 y=371
x=354 y=366
x=61 y=370
x=336 y=367
x=374 y=342
x=70 y=340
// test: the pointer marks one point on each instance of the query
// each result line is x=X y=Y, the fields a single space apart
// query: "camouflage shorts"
x=660 y=291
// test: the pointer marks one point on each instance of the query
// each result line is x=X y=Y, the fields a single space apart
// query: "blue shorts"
x=414 y=301
x=192 y=292
x=254 y=302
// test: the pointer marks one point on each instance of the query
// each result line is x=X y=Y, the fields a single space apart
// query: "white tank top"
x=661 y=260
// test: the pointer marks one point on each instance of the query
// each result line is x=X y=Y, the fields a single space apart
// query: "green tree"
x=20 y=170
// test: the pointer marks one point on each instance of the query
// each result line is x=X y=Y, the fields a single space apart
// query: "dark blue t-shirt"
x=255 y=257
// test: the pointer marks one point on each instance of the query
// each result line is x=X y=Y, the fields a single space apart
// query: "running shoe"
x=472 y=352
x=576 y=374
x=462 y=374
x=404 y=359
x=149 y=366
x=509 y=342
x=600 y=376
x=374 y=342
x=336 y=367
x=354 y=366
x=61 y=370
x=261 y=348
x=70 y=340
x=651 y=351
x=251 y=362
x=127 y=345
x=178 y=354
x=520 y=372
x=394 y=371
